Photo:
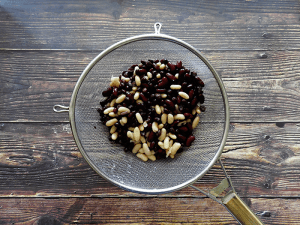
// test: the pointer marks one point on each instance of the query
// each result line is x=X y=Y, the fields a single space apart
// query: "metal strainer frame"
x=231 y=201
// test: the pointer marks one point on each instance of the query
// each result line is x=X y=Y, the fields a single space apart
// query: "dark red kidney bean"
x=190 y=127
x=170 y=77
x=194 y=74
x=145 y=85
x=170 y=103
x=181 y=72
x=178 y=99
x=124 y=113
x=201 y=99
x=157 y=68
x=115 y=110
x=107 y=92
x=183 y=129
x=152 y=145
x=115 y=92
x=188 y=115
x=181 y=137
x=191 y=93
x=187 y=77
x=189 y=141
x=130 y=114
x=194 y=101
x=179 y=65
x=171 y=66
x=151 y=136
x=163 y=83
x=174 y=99
x=200 y=82
x=161 y=90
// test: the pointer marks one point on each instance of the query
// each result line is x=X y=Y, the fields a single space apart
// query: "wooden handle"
x=240 y=210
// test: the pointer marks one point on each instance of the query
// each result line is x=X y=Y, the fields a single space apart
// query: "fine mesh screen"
x=125 y=169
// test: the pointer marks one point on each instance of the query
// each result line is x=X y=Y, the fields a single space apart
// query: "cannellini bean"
x=166 y=143
x=179 y=117
x=137 y=81
x=161 y=144
x=183 y=95
x=136 y=148
x=152 y=157
x=111 y=122
x=173 y=136
x=136 y=134
x=163 y=134
x=121 y=98
x=142 y=156
x=108 y=110
x=139 y=117
x=195 y=122
x=123 y=109
x=114 y=136
x=136 y=95
x=113 y=129
x=130 y=134
x=170 y=118
x=154 y=126
x=115 y=82
x=175 y=86
x=157 y=109
x=146 y=149
x=164 y=118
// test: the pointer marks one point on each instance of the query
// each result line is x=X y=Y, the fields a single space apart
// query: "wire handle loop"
x=60 y=108
x=157 y=27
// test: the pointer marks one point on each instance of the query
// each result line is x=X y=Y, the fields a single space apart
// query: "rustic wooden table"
x=45 y=45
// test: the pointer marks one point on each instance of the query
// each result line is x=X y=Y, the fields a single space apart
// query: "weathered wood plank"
x=139 y=210
x=261 y=86
x=41 y=159
x=207 y=25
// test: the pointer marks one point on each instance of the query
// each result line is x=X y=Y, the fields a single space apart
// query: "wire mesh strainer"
x=125 y=170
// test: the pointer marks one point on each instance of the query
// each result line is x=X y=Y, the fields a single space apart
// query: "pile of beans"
x=152 y=108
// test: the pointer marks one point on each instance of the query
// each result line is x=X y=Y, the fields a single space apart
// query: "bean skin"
x=190 y=140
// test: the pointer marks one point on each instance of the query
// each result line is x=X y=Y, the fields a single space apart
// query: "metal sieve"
x=124 y=169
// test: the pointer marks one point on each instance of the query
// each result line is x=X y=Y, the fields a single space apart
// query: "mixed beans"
x=152 y=108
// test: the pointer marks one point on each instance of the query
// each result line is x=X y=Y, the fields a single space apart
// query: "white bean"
x=108 y=110
x=175 y=86
x=183 y=95
x=179 y=117
x=164 y=118
x=146 y=149
x=142 y=156
x=136 y=134
x=195 y=122
x=114 y=136
x=166 y=143
x=111 y=122
x=136 y=148
x=113 y=129
x=139 y=117
x=154 y=127
x=170 y=118
x=121 y=98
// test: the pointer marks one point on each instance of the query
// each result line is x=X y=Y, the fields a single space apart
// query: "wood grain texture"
x=208 y=25
x=261 y=86
x=41 y=159
x=139 y=211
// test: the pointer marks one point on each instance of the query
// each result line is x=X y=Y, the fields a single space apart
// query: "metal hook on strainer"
x=161 y=176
